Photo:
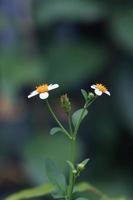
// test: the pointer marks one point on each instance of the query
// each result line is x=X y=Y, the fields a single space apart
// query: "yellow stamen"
x=42 y=88
x=101 y=87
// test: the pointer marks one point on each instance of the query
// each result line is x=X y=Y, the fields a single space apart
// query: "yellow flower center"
x=42 y=88
x=101 y=87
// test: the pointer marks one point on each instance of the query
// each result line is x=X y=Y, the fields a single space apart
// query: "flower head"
x=100 y=89
x=42 y=90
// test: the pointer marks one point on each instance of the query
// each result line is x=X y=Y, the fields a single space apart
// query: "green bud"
x=74 y=171
x=80 y=167
x=65 y=103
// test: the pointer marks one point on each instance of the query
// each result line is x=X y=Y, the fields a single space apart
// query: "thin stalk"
x=56 y=119
x=92 y=101
x=70 y=123
x=72 y=175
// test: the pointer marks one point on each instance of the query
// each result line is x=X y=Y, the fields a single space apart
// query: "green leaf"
x=55 y=176
x=76 y=116
x=118 y=198
x=81 y=198
x=55 y=130
x=71 y=164
x=82 y=187
x=34 y=192
x=85 y=95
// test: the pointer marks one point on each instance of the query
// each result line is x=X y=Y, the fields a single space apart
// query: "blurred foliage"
x=125 y=81
x=49 y=12
x=121 y=28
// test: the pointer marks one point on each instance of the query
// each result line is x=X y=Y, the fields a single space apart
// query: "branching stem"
x=56 y=119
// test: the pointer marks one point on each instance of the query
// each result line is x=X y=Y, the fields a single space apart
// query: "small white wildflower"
x=42 y=90
x=100 y=89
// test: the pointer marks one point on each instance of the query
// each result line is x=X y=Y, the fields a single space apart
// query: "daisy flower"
x=100 y=89
x=43 y=90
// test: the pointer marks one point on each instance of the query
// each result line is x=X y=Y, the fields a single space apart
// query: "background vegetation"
x=74 y=43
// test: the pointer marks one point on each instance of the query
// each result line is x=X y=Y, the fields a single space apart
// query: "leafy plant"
x=58 y=185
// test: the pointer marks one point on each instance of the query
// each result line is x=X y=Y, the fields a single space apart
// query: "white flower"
x=42 y=90
x=100 y=89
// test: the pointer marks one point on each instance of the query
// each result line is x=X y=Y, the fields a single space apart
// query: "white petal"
x=98 y=92
x=44 y=95
x=32 y=94
x=107 y=92
x=52 y=87
x=93 y=86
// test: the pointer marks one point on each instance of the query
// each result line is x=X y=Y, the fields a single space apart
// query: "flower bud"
x=74 y=171
x=65 y=103
x=80 y=167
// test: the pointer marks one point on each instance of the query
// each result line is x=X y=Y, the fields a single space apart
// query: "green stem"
x=70 y=123
x=72 y=175
x=56 y=119
x=88 y=104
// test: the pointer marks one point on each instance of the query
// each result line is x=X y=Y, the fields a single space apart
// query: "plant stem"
x=56 y=119
x=72 y=175
x=70 y=123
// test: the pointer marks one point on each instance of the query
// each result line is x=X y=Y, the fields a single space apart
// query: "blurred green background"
x=74 y=43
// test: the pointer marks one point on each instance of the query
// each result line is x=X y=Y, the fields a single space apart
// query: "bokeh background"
x=74 y=43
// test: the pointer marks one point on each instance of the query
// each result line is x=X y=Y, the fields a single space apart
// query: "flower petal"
x=98 y=92
x=44 y=95
x=93 y=86
x=107 y=92
x=32 y=94
x=52 y=86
